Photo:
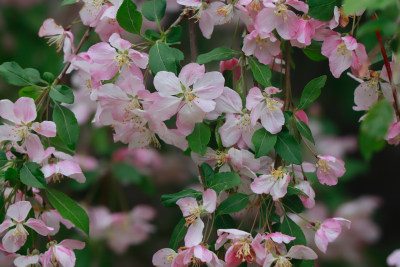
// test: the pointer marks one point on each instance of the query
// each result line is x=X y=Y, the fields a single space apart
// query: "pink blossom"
x=191 y=95
x=196 y=255
x=344 y=52
x=91 y=10
x=58 y=36
x=309 y=200
x=276 y=15
x=15 y=238
x=242 y=248
x=20 y=116
x=62 y=253
x=264 y=46
x=193 y=212
x=280 y=238
x=329 y=169
x=328 y=231
x=106 y=24
x=275 y=183
x=393 y=136
x=231 y=64
x=268 y=108
x=296 y=252
x=53 y=219
x=117 y=56
x=164 y=257
x=394 y=258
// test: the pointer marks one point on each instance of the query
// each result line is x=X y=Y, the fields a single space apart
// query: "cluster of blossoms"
x=240 y=172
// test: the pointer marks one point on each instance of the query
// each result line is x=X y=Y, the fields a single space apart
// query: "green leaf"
x=171 y=199
x=208 y=172
x=31 y=175
x=294 y=203
x=178 y=54
x=69 y=2
x=178 y=234
x=374 y=128
x=69 y=209
x=217 y=54
x=152 y=34
x=62 y=93
x=305 y=131
x=289 y=227
x=29 y=91
x=161 y=58
x=311 y=92
x=224 y=181
x=322 y=9
x=352 y=6
x=313 y=51
x=154 y=10
x=294 y=191
x=199 y=138
x=67 y=125
x=129 y=18
x=48 y=77
x=3 y=158
x=174 y=35
x=11 y=174
x=261 y=72
x=233 y=203
x=13 y=74
x=263 y=142
x=288 y=148
x=224 y=221
x=126 y=172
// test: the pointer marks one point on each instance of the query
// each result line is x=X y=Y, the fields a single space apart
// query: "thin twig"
x=387 y=65
x=192 y=40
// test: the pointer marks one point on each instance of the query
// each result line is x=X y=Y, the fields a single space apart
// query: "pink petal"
x=273 y=120
x=194 y=234
x=119 y=43
x=167 y=84
x=72 y=244
x=279 y=237
x=204 y=104
x=45 y=128
x=7 y=110
x=209 y=200
x=187 y=205
x=229 y=101
x=302 y=253
x=350 y=42
x=19 y=210
x=34 y=148
x=25 y=109
x=253 y=98
x=321 y=241
x=5 y=225
x=163 y=257
x=39 y=226
x=13 y=240
x=191 y=73
x=210 y=86
x=206 y=24
x=229 y=132
x=339 y=62
x=23 y=261
x=394 y=258
x=49 y=28
x=71 y=169
x=262 y=184
x=202 y=253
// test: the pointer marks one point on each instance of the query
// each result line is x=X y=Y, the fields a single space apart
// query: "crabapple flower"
x=117 y=56
x=393 y=136
x=231 y=64
x=344 y=52
x=15 y=238
x=91 y=10
x=164 y=257
x=394 y=258
x=329 y=169
x=264 y=46
x=61 y=254
x=191 y=95
x=275 y=183
x=296 y=252
x=268 y=108
x=328 y=231
x=242 y=248
x=276 y=15
x=195 y=256
x=192 y=212
x=57 y=35
x=21 y=114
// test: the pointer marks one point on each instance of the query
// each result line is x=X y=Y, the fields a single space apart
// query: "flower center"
x=122 y=59
x=20 y=131
x=255 y=5
x=281 y=11
x=194 y=214
x=273 y=104
x=244 y=123
x=283 y=262
x=225 y=11
x=323 y=165
x=58 y=40
x=342 y=50
x=245 y=252
x=220 y=157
